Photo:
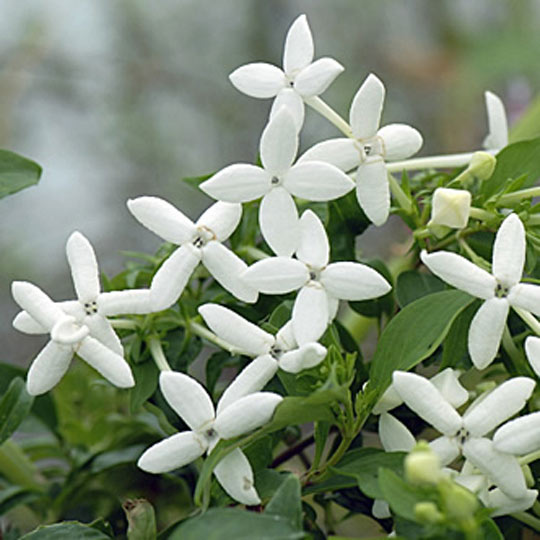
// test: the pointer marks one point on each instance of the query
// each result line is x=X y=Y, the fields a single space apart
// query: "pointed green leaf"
x=14 y=408
x=286 y=502
x=16 y=173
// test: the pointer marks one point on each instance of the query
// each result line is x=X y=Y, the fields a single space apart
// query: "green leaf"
x=412 y=285
x=414 y=334
x=16 y=173
x=528 y=125
x=14 y=408
x=146 y=380
x=286 y=502
x=68 y=530
x=141 y=519
x=16 y=495
x=113 y=458
x=236 y=524
x=455 y=345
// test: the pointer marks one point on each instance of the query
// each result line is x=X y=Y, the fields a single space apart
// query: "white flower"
x=276 y=181
x=192 y=403
x=301 y=77
x=269 y=352
x=68 y=337
x=450 y=208
x=321 y=284
x=497 y=137
x=466 y=434
x=200 y=241
x=369 y=149
x=500 y=290
x=92 y=306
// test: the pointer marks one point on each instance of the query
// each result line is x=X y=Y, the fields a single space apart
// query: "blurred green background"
x=117 y=99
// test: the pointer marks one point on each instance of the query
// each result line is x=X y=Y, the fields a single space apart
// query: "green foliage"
x=16 y=173
x=14 y=407
x=66 y=531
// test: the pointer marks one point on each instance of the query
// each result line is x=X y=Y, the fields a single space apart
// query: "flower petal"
x=279 y=143
x=238 y=183
x=317 y=181
x=343 y=153
x=353 y=281
x=221 y=218
x=298 y=50
x=317 y=77
x=310 y=313
x=525 y=296
x=246 y=414
x=426 y=401
x=84 y=268
x=278 y=220
x=111 y=365
x=291 y=100
x=460 y=273
x=400 y=141
x=251 y=379
x=447 y=382
x=520 y=436
x=172 y=453
x=162 y=218
x=485 y=332
x=373 y=190
x=236 y=330
x=394 y=435
x=333 y=306
x=277 y=275
x=172 y=277
x=497 y=137
x=509 y=251
x=48 y=368
x=235 y=475
x=227 y=268
x=307 y=356
x=101 y=329
x=504 y=505
x=388 y=401
x=314 y=249
x=188 y=398
x=258 y=80
x=24 y=323
x=285 y=339
x=446 y=448
x=532 y=348
x=132 y=301
x=366 y=108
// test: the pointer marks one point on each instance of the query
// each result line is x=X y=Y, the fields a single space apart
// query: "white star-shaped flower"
x=277 y=181
x=500 y=290
x=68 y=337
x=369 y=149
x=321 y=284
x=192 y=403
x=92 y=306
x=466 y=434
x=199 y=242
x=497 y=137
x=301 y=77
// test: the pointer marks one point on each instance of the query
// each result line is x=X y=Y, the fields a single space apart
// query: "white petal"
x=532 y=348
x=460 y=273
x=520 y=436
x=172 y=277
x=188 y=398
x=394 y=435
x=101 y=329
x=129 y=301
x=235 y=475
x=333 y=306
x=314 y=249
x=497 y=137
x=353 y=281
x=426 y=401
x=84 y=268
x=277 y=275
x=494 y=408
x=24 y=323
x=380 y=509
x=400 y=141
x=388 y=401
x=227 y=268
x=342 y=153
x=291 y=100
x=486 y=331
x=509 y=251
x=446 y=448
x=503 y=469
x=307 y=356
x=310 y=313
x=172 y=453
x=48 y=368
x=162 y=218
x=75 y=309
x=111 y=365
x=246 y=414
x=285 y=339
x=366 y=108
x=67 y=331
x=278 y=220
x=447 y=382
x=258 y=80
x=317 y=181
x=251 y=379
x=505 y=505
x=236 y=330
x=525 y=296
x=373 y=190
x=317 y=77
x=238 y=183
x=37 y=304
x=279 y=143
x=221 y=218
x=298 y=50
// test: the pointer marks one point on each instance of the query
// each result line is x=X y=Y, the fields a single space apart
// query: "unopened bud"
x=427 y=512
x=482 y=165
x=141 y=519
x=458 y=502
x=450 y=208
x=422 y=465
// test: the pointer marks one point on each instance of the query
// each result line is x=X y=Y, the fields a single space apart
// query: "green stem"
x=529 y=318
x=399 y=194
x=253 y=252
x=529 y=458
x=517 y=196
x=317 y=104
x=534 y=220
x=17 y=468
x=156 y=350
x=123 y=324
x=431 y=162
x=530 y=521
x=203 y=332
x=511 y=349
x=481 y=214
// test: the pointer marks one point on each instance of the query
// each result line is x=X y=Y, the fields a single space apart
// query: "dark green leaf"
x=286 y=502
x=14 y=407
x=412 y=285
x=123 y=456
x=68 y=530
x=455 y=345
x=16 y=173
x=146 y=381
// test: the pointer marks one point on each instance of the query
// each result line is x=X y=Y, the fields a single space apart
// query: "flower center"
x=462 y=435
x=276 y=352
x=90 y=308
x=203 y=236
x=275 y=181
x=501 y=291
x=373 y=147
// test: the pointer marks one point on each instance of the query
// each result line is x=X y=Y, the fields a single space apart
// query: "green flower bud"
x=422 y=465
x=427 y=512
x=482 y=165
x=141 y=519
x=459 y=503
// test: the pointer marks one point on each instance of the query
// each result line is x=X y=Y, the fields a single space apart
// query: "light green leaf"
x=68 y=530
x=286 y=502
x=14 y=407
x=16 y=173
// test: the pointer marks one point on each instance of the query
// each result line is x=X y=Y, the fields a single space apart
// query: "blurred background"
x=125 y=98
